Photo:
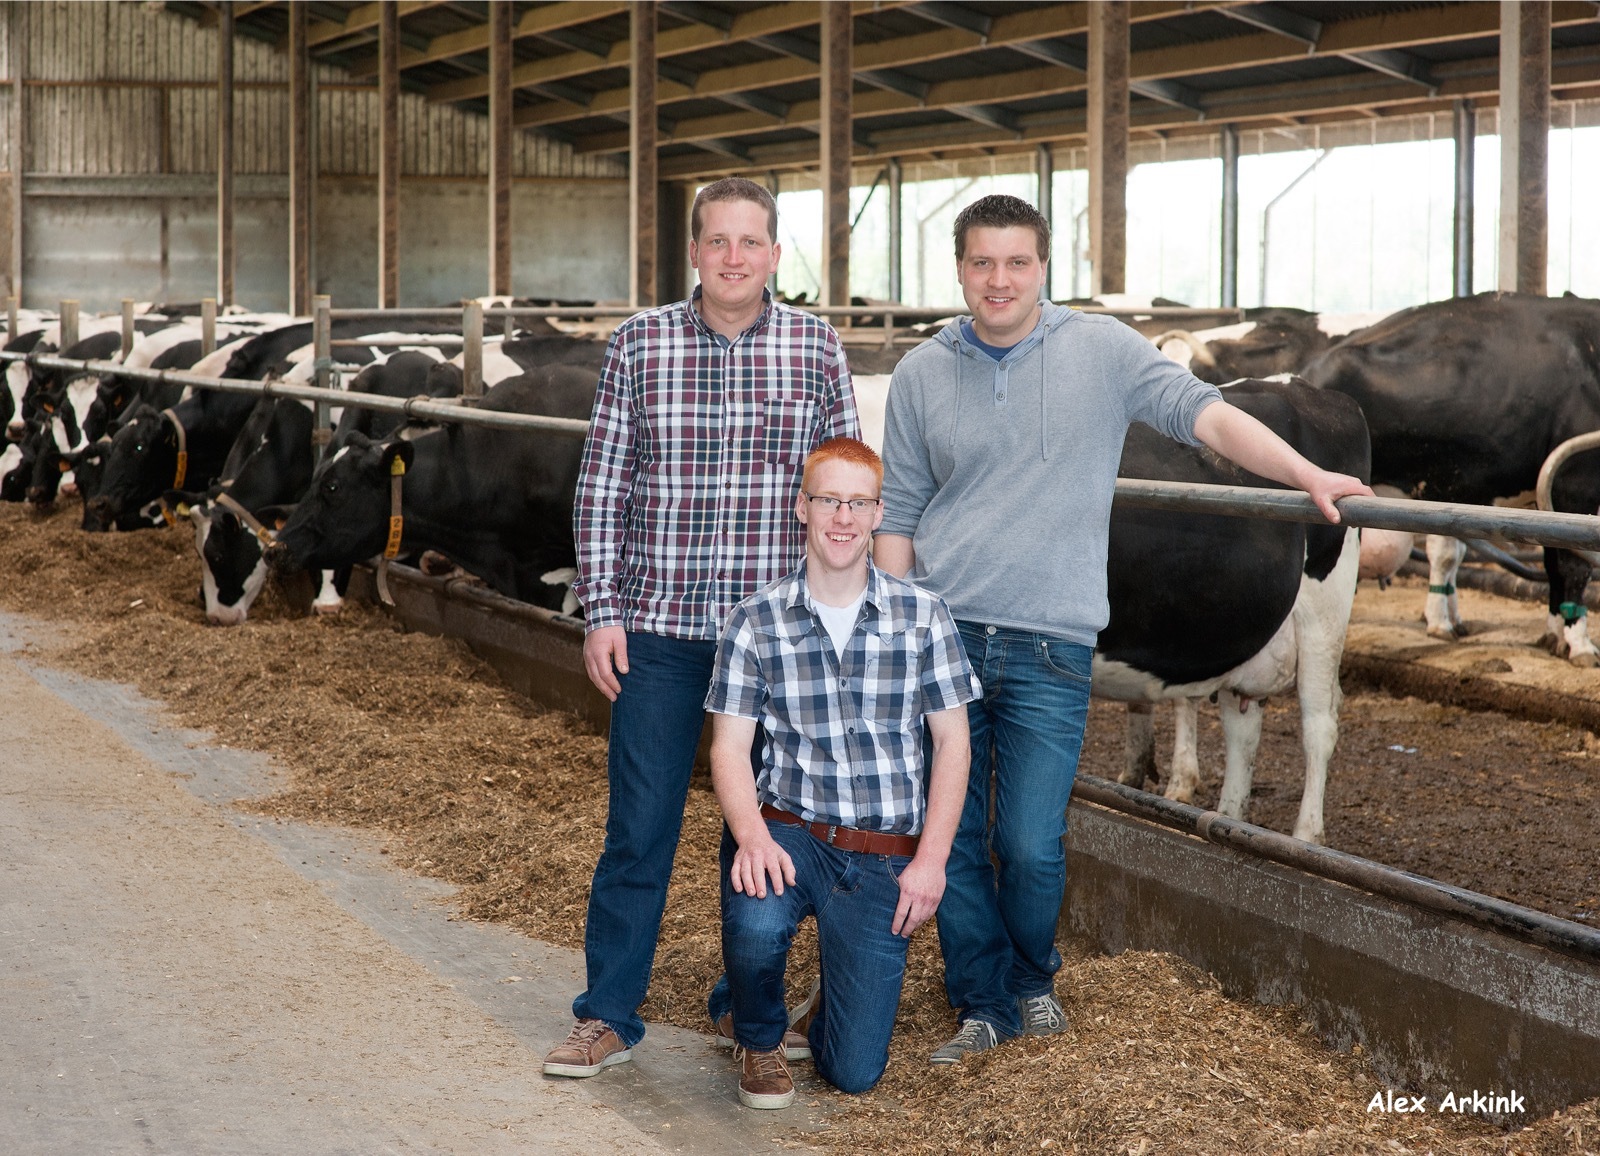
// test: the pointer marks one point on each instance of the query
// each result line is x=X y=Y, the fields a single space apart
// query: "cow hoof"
x=1176 y=794
x=1443 y=633
x=327 y=609
x=1588 y=660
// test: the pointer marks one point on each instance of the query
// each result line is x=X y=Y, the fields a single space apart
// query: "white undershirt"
x=840 y=620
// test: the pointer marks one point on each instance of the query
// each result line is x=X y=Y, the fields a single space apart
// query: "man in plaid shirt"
x=704 y=414
x=840 y=665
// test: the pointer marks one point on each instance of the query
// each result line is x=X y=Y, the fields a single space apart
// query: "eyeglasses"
x=829 y=505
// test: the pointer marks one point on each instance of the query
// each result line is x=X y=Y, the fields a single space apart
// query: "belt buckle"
x=833 y=830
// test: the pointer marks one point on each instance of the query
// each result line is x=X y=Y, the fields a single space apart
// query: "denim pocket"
x=1068 y=659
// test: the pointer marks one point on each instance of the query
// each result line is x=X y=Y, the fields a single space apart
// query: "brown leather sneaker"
x=589 y=1047
x=764 y=1079
x=795 y=1044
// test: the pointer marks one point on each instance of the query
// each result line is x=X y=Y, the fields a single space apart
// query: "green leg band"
x=1445 y=590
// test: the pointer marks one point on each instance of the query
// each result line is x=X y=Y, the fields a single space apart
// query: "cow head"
x=143 y=461
x=344 y=517
x=15 y=481
x=52 y=441
x=233 y=568
x=110 y=400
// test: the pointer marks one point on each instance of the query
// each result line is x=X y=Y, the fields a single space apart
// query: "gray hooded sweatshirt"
x=1001 y=473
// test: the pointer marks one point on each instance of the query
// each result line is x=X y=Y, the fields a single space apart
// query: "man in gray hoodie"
x=1001 y=445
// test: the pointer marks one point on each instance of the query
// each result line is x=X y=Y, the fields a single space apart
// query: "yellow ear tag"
x=397 y=465
x=63 y=466
x=183 y=509
x=47 y=407
x=393 y=546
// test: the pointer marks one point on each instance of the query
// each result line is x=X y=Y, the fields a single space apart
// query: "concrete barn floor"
x=179 y=975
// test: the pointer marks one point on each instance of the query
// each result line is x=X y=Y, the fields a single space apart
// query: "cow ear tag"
x=47 y=407
x=397 y=465
x=183 y=509
x=63 y=466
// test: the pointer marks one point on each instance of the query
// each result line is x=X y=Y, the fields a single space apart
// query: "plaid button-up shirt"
x=844 y=736
x=685 y=501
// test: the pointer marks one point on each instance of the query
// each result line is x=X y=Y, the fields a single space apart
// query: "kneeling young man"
x=840 y=664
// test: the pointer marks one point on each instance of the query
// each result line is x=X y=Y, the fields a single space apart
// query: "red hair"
x=851 y=450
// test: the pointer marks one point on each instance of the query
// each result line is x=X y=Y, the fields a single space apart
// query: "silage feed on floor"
x=417 y=739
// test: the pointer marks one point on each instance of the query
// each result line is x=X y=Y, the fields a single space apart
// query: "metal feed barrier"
x=1436 y=983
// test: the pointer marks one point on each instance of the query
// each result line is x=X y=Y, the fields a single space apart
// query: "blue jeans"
x=997 y=926
x=853 y=896
x=655 y=731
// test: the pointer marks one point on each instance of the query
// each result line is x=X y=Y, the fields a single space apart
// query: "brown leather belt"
x=847 y=838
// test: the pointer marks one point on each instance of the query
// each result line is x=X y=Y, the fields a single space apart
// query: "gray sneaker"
x=974 y=1036
x=1041 y=1015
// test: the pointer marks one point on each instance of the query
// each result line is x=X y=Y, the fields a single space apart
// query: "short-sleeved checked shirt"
x=844 y=735
x=685 y=501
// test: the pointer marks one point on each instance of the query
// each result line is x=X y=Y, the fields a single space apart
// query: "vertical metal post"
x=388 y=155
x=15 y=40
x=225 y=254
x=1044 y=164
x=500 y=147
x=643 y=166
x=68 y=330
x=208 y=326
x=1108 y=146
x=302 y=165
x=322 y=365
x=838 y=28
x=1230 y=217
x=127 y=327
x=1465 y=122
x=1524 y=144
x=472 y=351
x=11 y=318
x=896 y=231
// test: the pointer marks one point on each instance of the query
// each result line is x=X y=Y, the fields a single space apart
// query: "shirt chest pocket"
x=890 y=682
x=786 y=429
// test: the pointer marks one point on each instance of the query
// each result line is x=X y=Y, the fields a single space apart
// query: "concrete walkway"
x=178 y=976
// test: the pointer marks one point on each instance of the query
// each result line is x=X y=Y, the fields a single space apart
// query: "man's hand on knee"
x=758 y=861
x=921 y=888
x=603 y=649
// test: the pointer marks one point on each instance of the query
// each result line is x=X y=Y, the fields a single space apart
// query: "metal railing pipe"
x=1454 y=520
x=416 y=407
x=1508 y=918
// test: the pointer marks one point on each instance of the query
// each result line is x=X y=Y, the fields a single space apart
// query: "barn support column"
x=1045 y=163
x=16 y=31
x=500 y=150
x=388 y=155
x=837 y=81
x=1230 y=217
x=1108 y=146
x=225 y=250
x=1524 y=144
x=896 y=231
x=1466 y=133
x=642 y=162
x=302 y=165
x=672 y=249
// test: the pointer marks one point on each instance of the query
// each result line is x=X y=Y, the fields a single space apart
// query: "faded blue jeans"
x=997 y=925
x=655 y=731
x=853 y=896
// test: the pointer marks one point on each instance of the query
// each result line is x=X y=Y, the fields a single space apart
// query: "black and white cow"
x=498 y=503
x=1264 y=607
x=1465 y=400
x=1269 y=341
x=144 y=456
